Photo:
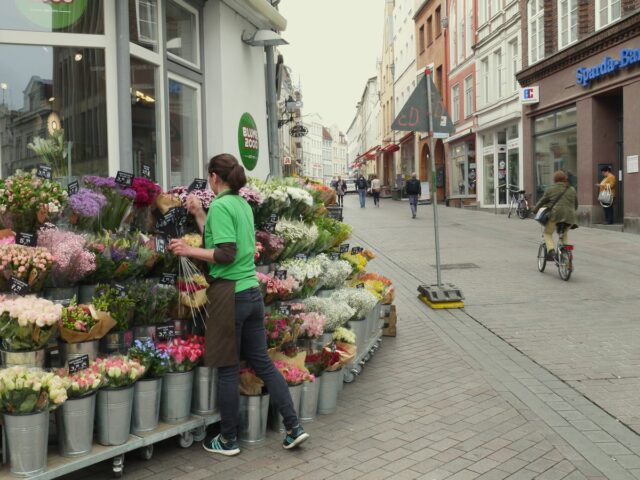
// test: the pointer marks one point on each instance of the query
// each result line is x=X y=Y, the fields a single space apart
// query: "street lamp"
x=263 y=38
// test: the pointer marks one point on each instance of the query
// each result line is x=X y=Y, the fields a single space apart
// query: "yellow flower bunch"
x=358 y=261
x=193 y=240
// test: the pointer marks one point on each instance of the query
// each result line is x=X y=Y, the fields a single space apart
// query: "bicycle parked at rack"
x=518 y=203
x=563 y=255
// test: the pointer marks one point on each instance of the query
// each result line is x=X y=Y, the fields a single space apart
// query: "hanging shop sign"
x=529 y=95
x=628 y=58
x=299 y=131
x=54 y=14
x=248 y=141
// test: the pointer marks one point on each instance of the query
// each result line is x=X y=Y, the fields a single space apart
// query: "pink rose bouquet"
x=275 y=289
x=118 y=371
x=83 y=382
x=312 y=324
x=184 y=354
x=292 y=374
x=29 y=264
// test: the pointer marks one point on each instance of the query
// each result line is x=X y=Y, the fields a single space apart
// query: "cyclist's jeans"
x=549 y=228
x=250 y=337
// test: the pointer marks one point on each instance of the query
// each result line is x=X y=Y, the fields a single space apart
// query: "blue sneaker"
x=216 y=445
x=295 y=437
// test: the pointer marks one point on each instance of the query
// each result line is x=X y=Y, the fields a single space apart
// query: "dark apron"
x=220 y=336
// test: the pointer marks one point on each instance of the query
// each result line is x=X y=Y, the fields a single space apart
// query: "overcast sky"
x=334 y=46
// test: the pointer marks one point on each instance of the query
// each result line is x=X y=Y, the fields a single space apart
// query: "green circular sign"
x=248 y=141
x=54 y=14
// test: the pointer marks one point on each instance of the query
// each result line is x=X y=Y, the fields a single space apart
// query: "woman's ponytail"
x=229 y=170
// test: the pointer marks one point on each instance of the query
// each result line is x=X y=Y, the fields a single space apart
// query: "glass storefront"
x=463 y=169
x=555 y=148
x=184 y=139
x=57 y=94
x=78 y=16
x=501 y=164
x=144 y=114
x=407 y=158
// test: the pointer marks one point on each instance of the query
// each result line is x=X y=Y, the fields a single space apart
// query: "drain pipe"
x=275 y=169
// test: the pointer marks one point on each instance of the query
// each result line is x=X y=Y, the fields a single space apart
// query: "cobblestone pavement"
x=535 y=378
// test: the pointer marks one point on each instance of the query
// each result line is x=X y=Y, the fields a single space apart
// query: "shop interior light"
x=77 y=57
x=52 y=99
x=145 y=98
x=263 y=38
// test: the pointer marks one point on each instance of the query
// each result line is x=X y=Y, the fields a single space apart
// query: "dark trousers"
x=376 y=198
x=341 y=200
x=252 y=346
x=608 y=214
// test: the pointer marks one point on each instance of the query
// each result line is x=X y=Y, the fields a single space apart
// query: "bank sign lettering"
x=248 y=143
x=628 y=58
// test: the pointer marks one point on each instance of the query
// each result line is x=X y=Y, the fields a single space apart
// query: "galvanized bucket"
x=113 y=414
x=309 y=400
x=146 y=405
x=86 y=293
x=177 y=389
x=27 y=437
x=359 y=327
x=74 y=425
x=329 y=389
x=144 y=333
x=327 y=338
x=325 y=292
x=116 y=342
x=69 y=351
x=205 y=391
x=60 y=295
x=254 y=411
x=30 y=358
x=275 y=418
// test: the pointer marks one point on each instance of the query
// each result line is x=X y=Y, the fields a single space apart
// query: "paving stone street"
x=534 y=378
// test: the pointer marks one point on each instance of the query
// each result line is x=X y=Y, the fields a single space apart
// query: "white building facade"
x=312 y=147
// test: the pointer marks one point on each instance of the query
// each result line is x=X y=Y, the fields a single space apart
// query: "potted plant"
x=116 y=303
x=26 y=326
x=26 y=397
x=147 y=390
x=115 y=398
x=75 y=418
x=295 y=376
x=177 y=387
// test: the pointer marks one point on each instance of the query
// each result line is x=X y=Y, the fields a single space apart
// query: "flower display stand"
x=368 y=345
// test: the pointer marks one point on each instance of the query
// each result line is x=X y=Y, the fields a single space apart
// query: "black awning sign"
x=298 y=131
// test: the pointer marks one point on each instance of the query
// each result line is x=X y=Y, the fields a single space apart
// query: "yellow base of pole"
x=440 y=305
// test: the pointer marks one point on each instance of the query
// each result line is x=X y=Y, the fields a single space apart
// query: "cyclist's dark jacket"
x=414 y=187
x=565 y=210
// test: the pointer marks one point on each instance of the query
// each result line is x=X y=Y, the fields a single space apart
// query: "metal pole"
x=434 y=188
x=272 y=114
x=124 y=87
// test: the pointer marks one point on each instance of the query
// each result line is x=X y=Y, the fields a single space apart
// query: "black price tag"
x=285 y=309
x=161 y=244
x=78 y=363
x=270 y=227
x=26 y=239
x=334 y=256
x=167 y=219
x=344 y=248
x=197 y=184
x=121 y=289
x=168 y=279
x=360 y=286
x=73 y=188
x=301 y=256
x=124 y=179
x=273 y=218
x=280 y=274
x=165 y=333
x=356 y=250
x=18 y=287
x=146 y=171
x=45 y=171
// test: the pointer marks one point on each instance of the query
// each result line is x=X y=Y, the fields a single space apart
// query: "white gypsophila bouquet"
x=334 y=272
x=360 y=299
x=337 y=313
x=306 y=272
x=298 y=236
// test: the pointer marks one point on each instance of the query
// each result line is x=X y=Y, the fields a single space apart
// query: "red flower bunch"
x=146 y=192
x=184 y=354
x=318 y=362
x=259 y=250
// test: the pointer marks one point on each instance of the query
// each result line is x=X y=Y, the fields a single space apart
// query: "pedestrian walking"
x=375 y=190
x=341 y=189
x=607 y=193
x=361 y=186
x=414 y=191
x=235 y=327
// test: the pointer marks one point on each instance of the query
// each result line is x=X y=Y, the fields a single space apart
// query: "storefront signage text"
x=248 y=141
x=628 y=58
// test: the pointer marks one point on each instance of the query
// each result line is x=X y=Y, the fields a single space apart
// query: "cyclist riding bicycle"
x=564 y=199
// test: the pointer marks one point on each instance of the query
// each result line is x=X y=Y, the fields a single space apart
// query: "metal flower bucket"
x=116 y=342
x=275 y=419
x=27 y=437
x=309 y=400
x=329 y=389
x=29 y=358
x=325 y=292
x=86 y=293
x=113 y=412
x=359 y=327
x=205 y=391
x=69 y=351
x=74 y=425
x=177 y=389
x=254 y=410
x=146 y=405
x=60 y=295
x=327 y=338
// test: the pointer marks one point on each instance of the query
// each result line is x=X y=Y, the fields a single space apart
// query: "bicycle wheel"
x=565 y=264
x=522 y=210
x=542 y=257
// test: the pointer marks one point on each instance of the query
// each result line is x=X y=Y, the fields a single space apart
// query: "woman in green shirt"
x=236 y=309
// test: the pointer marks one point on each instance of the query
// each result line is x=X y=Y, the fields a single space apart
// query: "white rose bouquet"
x=24 y=390
x=27 y=323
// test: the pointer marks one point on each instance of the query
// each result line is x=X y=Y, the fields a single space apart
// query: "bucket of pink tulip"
x=177 y=386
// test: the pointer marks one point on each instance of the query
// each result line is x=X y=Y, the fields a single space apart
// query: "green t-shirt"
x=230 y=220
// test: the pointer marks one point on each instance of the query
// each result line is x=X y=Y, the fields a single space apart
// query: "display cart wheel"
x=349 y=376
x=367 y=357
x=357 y=369
x=185 y=440
x=199 y=433
x=146 y=452
x=118 y=466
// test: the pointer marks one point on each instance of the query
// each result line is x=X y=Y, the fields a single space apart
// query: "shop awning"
x=406 y=138
x=390 y=148
x=369 y=154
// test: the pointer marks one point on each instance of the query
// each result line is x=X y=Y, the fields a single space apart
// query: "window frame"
x=485 y=69
x=538 y=19
x=567 y=25
x=610 y=20
x=499 y=69
x=468 y=96
x=172 y=56
x=455 y=103
x=514 y=44
x=143 y=38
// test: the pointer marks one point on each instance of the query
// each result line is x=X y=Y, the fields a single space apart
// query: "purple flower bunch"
x=119 y=201
x=251 y=194
x=109 y=183
x=206 y=196
x=73 y=261
x=87 y=203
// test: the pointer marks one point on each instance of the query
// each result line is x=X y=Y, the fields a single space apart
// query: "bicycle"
x=518 y=203
x=563 y=257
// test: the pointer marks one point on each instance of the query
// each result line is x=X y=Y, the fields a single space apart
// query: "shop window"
x=607 y=11
x=182 y=32
x=184 y=128
x=144 y=23
x=53 y=16
x=567 y=22
x=468 y=96
x=144 y=114
x=463 y=169
x=56 y=91
x=536 y=30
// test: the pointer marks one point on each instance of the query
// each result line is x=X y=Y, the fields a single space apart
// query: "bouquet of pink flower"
x=272 y=246
x=274 y=289
x=73 y=260
x=205 y=196
x=281 y=329
x=29 y=264
x=312 y=324
x=118 y=371
x=83 y=382
x=184 y=354
x=292 y=374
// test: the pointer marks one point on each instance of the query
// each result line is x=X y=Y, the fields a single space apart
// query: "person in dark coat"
x=414 y=191
x=361 y=186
